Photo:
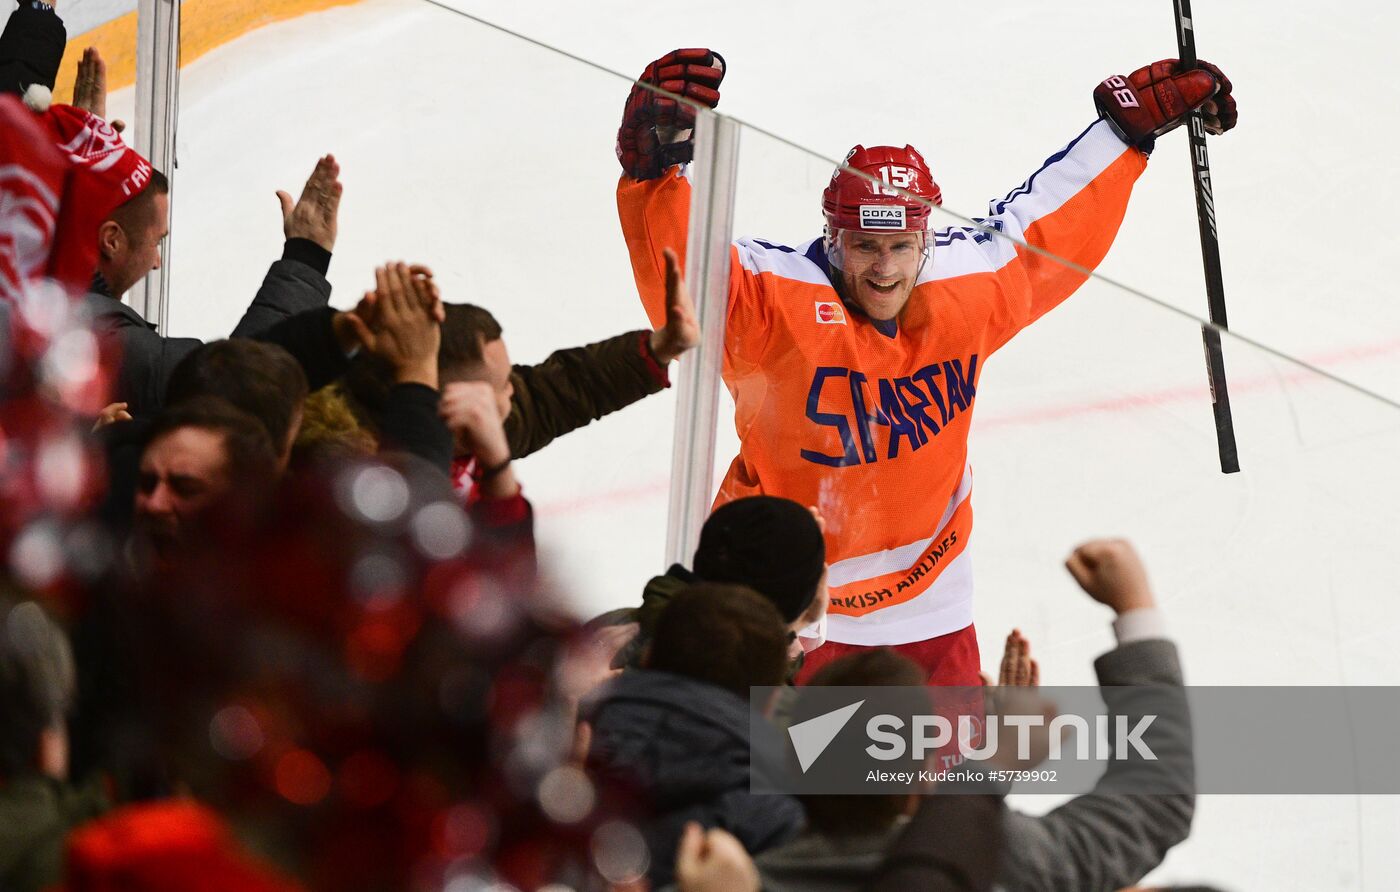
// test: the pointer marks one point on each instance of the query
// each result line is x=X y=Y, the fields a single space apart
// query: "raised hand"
x=1112 y=573
x=682 y=330
x=655 y=131
x=90 y=86
x=314 y=215
x=1157 y=99
x=1018 y=669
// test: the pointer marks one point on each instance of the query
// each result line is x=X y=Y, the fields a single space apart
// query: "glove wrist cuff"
x=1144 y=145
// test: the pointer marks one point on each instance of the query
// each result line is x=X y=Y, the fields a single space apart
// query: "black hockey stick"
x=1210 y=255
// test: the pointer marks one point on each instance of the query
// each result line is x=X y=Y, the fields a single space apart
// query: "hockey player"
x=854 y=358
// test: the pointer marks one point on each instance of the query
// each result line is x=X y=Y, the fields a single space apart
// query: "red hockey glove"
x=656 y=129
x=1157 y=98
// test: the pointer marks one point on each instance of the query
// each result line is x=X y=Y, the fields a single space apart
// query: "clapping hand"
x=398 y=322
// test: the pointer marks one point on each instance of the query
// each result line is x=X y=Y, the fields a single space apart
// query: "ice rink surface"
x=491 y=159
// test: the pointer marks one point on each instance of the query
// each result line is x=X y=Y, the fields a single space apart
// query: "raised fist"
x=1157 y=98
x=1111 y=572
x=655 y=132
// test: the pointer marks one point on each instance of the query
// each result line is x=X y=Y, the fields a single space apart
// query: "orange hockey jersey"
x=870 y=426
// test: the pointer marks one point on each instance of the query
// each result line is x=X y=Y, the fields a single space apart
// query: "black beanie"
x=771 y=545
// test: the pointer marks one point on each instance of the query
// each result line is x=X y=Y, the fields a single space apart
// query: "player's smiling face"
x=878 y=269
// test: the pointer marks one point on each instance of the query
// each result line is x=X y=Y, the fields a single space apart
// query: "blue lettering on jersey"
x=863 y=419
x=899 y=425
x=904 y=405
x=830 y=419
x=926 y=426
x=926 y=375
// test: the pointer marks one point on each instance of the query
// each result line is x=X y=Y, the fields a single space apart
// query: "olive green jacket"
x=579 y=385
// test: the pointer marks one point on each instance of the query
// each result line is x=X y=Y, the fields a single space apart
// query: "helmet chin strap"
x=927 y=256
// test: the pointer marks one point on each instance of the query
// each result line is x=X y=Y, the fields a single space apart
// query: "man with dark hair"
x=572 y=387
x=767 y=543
x=677 y=731
x=128 y=241
x=467 y=331
x=260 y=379
x=198 y=454
x=37 y=806
x=724 y=635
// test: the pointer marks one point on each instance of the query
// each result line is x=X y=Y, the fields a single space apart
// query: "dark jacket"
x=36 y=814
x=410 y=423
x=951 y=843
x=310 y=337
x=294 y=284
x=683 y=746
x=579 y=385
x=31 y=49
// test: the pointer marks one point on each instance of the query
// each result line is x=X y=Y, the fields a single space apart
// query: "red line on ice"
x=1179 y=394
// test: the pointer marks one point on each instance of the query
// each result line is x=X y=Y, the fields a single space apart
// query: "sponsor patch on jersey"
x=881 y=216
x=831 y=312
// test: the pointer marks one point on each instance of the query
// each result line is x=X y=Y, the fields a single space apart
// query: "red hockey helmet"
x=854 y=202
